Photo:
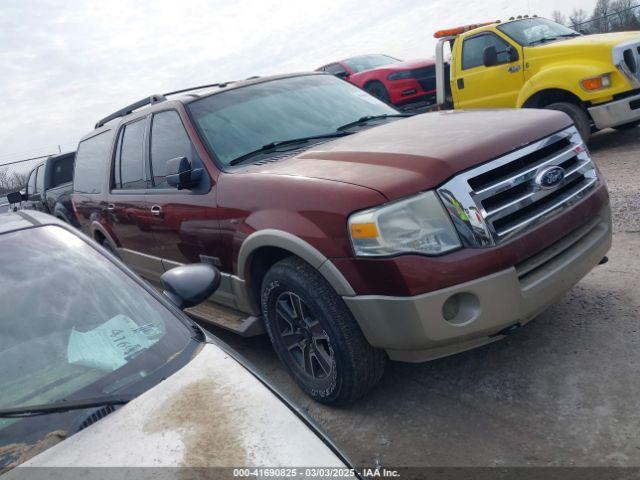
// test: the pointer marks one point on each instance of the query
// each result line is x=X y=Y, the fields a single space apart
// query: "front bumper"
x=618 y=112
x=414 y=329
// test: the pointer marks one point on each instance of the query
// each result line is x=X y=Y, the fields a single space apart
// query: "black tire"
x=577 y=114
x=627 y=126
x=318 y=330
x=378 y=90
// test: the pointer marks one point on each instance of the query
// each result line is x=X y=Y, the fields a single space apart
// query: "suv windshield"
x=239 y=121
x=74 y=326
x=367 y=62
x=533 y=31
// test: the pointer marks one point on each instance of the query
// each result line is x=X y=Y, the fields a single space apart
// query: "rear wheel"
x=315 y=336
x=627 y=126
x=577 y=114
x=378 y=90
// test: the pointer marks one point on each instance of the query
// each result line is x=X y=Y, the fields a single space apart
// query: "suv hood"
x=405 y=156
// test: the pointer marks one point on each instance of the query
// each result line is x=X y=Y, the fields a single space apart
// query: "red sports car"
x=403 y=84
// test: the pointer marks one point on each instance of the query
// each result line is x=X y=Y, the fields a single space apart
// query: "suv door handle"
x=156 y=211
x=461 y=83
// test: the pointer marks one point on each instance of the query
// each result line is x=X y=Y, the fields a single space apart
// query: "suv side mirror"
x=181 y=175
x=490 y=56
x=189 y=285
x=15 y=197
x=342 y=75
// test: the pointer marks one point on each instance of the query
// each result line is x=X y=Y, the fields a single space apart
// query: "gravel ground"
x=563 y=391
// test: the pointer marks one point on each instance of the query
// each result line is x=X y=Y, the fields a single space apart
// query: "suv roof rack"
x=130 y=108
x=155 y=99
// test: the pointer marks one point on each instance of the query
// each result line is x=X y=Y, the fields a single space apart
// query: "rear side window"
x=31 y=183
x=335 y=69
x=473 y=49
x=169 y=140
x=40 y=179
x=129 y=165
x=62 y=171
x=91 y=162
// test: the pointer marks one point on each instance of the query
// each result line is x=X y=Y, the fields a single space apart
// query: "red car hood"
x=409 y=155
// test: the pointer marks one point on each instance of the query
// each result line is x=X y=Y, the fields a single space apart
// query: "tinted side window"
x=91 y=162
x=129 y=165
x=40 y=179
x=31 y=183
x=473 y=48
x=334 y=69
x=62 y=171
x=168 y=140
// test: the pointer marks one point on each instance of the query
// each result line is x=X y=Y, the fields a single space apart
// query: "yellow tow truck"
x=532 y=62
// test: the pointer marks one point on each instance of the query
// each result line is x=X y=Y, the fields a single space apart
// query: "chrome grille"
x=506 y=196
x=626 y=57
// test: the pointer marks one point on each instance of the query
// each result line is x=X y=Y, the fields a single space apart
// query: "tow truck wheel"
x=315 y=336
x=577 y=114
x=378 y=90
x=626 y=126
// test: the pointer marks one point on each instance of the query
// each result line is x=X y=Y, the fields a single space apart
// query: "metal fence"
x=14 y=176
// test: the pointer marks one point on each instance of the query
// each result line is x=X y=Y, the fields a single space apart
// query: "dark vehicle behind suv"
x=49 y=188
x=345 y=231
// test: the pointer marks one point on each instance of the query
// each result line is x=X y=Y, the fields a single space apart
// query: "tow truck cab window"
x=91 y=162
x=129 y=161
x=473 y=49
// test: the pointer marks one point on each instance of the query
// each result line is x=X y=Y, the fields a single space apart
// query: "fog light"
x=461 y=308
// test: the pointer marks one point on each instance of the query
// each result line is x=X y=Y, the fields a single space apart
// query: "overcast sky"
x=65 y=64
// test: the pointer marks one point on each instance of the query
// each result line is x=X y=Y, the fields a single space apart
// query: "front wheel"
x=577 y=114
x=315 y=336
x=378 y=90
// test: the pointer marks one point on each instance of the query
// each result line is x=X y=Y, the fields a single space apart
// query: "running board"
x=227 y=318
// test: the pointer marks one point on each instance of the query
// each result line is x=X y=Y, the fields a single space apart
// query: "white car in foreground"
x=99 y=370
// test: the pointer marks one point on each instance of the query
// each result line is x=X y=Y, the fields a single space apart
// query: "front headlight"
x=403 y=75
x=419 y=224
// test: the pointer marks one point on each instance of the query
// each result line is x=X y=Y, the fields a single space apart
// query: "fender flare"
x=96 y=226
x=298 y=247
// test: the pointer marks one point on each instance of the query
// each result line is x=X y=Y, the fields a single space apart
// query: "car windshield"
x=239 y=121
x=74 y=326
x=367 y=62
x=533 y=31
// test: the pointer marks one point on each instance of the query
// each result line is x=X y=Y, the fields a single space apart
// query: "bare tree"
x=11 y=181
x=578 y=18
x=625 y=16
x=600 y=20
x=559 y=17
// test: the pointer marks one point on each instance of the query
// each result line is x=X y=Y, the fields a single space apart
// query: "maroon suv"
x=348 y=233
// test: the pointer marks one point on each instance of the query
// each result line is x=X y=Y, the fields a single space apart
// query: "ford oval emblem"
x=549 y=177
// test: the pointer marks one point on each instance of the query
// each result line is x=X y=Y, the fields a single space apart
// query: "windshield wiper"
x=274 y=145
x=366 y=119
x=65 y=406
x=557 y=37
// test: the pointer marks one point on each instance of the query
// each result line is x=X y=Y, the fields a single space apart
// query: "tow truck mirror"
x=181 y=175
x=490 y=56
x=15 y=197
x=189 y=285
